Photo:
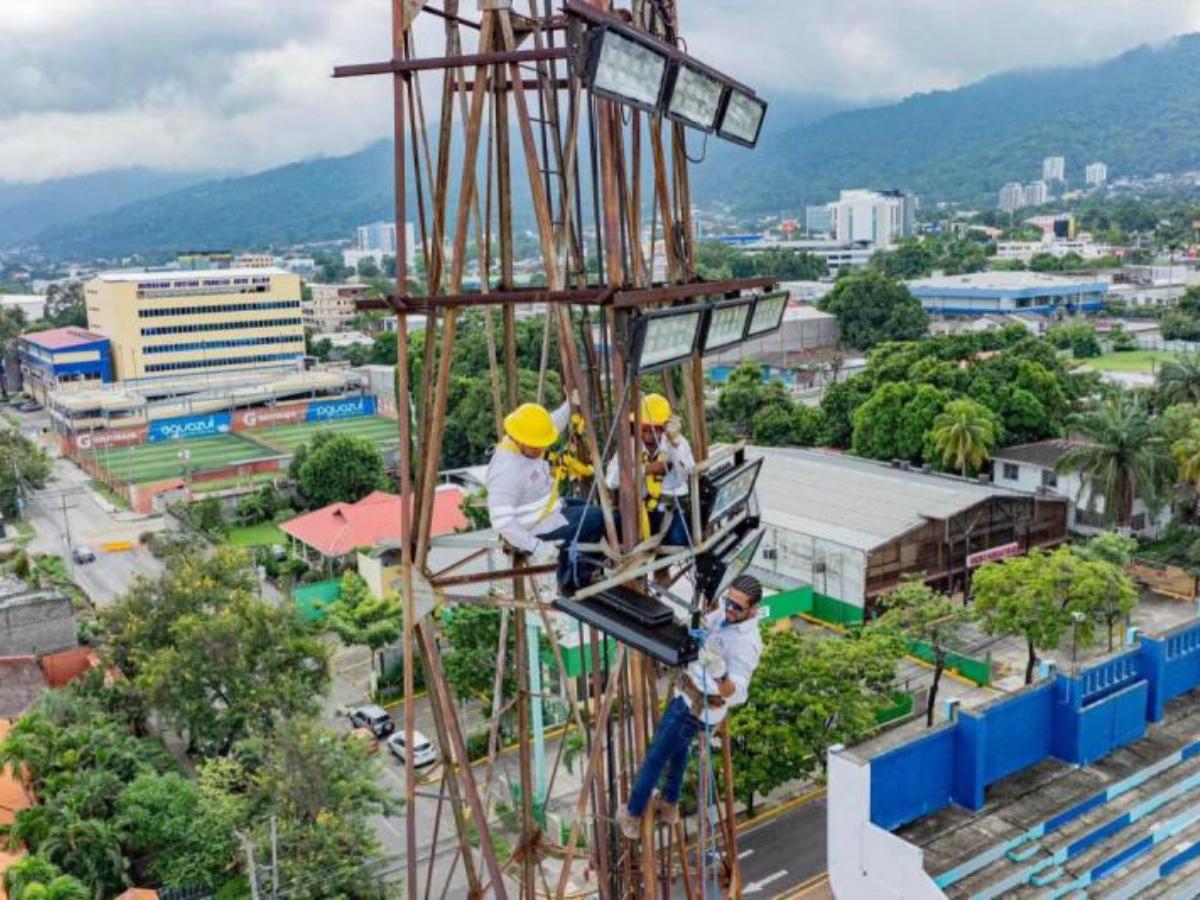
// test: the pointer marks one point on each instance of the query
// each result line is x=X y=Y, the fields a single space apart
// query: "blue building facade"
x=987 y=293
x=51 y=358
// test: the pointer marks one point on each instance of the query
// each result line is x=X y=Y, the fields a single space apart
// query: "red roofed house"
x=329 y=535
x=63 y=356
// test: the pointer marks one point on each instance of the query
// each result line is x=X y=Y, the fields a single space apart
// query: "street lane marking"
x=746 y=853
x=755 y=887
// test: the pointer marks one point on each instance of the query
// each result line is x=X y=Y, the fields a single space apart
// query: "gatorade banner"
x=270 y=416
x=107 y=438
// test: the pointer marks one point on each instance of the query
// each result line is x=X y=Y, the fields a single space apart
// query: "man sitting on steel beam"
x=717 y=680
x=523 y=496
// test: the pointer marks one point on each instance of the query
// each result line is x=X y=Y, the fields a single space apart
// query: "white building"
x=377 y=240
x=1012 y=196
x=32 y=305
x=331 y=307
x=1054 y=168
x=1096 y=174
x=879 y=218
x=1026 y=250
x=1035 y=193
x=1032 y=468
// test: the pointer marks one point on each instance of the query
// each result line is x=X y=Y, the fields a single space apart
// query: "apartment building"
x=167 y=324
x=332 y=306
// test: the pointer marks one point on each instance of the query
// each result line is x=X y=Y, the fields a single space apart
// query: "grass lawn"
x=263 y=534
x=286 y=438
x=160 y=460
x=199 y=488
x=1147 y=361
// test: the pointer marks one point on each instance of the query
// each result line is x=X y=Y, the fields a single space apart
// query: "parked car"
x=83 y=554
x=29 y=406
x=374 y=718
x=424 y=753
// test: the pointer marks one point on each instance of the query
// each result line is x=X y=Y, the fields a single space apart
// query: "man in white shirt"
x=718 y=680
x=671 y=461
x=523 y=496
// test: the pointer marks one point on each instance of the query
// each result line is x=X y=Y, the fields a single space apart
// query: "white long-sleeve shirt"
x=680 y=463
x=741 y=646
x=521 y=495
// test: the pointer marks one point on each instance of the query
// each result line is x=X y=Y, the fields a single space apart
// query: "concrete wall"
x=834 y=570
x=43 y=625
x=867 y=862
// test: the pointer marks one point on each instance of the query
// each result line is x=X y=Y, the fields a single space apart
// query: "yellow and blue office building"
x=61 y=357
x=166 y=325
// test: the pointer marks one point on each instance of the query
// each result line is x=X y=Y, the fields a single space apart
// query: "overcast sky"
x=244 y=84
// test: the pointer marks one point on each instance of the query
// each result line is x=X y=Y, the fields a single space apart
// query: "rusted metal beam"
x=449 y=17
x=502 y=574
x=595 y=296
x=645 y=296
x=528 y=84
x=404 y=66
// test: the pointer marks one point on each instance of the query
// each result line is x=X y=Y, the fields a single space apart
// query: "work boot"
x=667 y=812
x=631 y=825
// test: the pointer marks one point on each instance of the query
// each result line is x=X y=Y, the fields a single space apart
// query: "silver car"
x=424 y=753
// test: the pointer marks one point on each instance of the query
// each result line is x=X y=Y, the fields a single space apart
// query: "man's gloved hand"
x=574 y=397
x=674 y=430
x=712 y=663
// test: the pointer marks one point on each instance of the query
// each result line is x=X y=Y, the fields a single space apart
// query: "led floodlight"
x=624 y=69
x=694 y=97
x=664 y=337
x=742 y=118
x=723 y=491
x=768 y=314
x=717 y=567
x=725 y=325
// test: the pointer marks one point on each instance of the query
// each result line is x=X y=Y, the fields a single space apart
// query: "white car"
x=424 y=753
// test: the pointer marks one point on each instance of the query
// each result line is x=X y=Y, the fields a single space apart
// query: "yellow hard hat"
x=531 y=425
x=655 y=410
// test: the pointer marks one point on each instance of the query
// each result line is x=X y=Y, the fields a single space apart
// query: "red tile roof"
x=340 y=528
x=62 y=338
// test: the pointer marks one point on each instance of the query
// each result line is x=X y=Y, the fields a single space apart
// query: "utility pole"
x=251 y=870
x=274 y=860
x=66 y=521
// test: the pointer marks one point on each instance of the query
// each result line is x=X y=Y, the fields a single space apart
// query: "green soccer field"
x=159 y=461
x=286 y=438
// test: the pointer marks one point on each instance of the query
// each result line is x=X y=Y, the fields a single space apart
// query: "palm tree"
x=1121 y=456
x=1179 y=380
x=964 y=434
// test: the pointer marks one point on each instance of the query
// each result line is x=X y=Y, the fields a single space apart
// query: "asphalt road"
x=65 y=514
x=784 y=852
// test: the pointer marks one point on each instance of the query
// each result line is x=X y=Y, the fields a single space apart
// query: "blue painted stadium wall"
x=1077 y=719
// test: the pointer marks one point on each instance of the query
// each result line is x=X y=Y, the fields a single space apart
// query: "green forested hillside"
x=1139 y=113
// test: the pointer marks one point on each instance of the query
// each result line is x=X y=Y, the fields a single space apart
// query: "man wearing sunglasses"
x=717 y=680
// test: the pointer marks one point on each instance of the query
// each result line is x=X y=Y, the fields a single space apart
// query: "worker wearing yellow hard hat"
x=668 y=463
x=523 y=495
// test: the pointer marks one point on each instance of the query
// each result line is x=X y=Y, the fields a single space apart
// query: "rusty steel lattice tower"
x=592 y=168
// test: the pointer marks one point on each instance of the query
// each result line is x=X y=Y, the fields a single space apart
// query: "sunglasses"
x=736 y=607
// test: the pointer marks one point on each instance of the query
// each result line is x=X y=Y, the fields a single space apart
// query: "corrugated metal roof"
x=855 y=502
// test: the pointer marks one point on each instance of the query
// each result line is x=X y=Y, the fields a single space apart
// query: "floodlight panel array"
x=742 y=119
x=768 y=314
x=695 y=98
x=740 y=560
x=736 y=490
x=726 y=326
x=628 y=70
x=669 y=337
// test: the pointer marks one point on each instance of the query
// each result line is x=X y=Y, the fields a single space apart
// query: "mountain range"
x=1138 y=112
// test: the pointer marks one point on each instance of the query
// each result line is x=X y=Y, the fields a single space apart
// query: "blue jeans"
x=669 y=750
x=585 y=525
x=679 y=532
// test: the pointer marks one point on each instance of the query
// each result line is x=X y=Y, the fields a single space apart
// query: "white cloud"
x=245 y=84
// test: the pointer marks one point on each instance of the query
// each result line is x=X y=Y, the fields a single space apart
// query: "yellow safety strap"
x=508 y=445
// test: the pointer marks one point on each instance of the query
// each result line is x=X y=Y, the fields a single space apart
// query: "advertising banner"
x=992 y=554
x=269 y=416
x=344 y=408
x=190 y=427
x=105 y=439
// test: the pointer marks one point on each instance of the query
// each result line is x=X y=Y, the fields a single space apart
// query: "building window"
x=1049 y=478
x=152 y=330
x=209 y=309
x=1011 y=471
x=217 y=345
x=1138 y=522
x=1089 y=518
x=233 y=361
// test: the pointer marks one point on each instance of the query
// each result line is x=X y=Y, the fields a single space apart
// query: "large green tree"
x=1121 y=455
x=343 y=469
x=807 y=694
x=359 y=618
x=872 y=308
x=214 y=659
x=23 y=467
x=919 y=613
x=1179 y=380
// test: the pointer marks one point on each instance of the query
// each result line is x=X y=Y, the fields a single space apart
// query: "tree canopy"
x=340 y=468
x=872 y=309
